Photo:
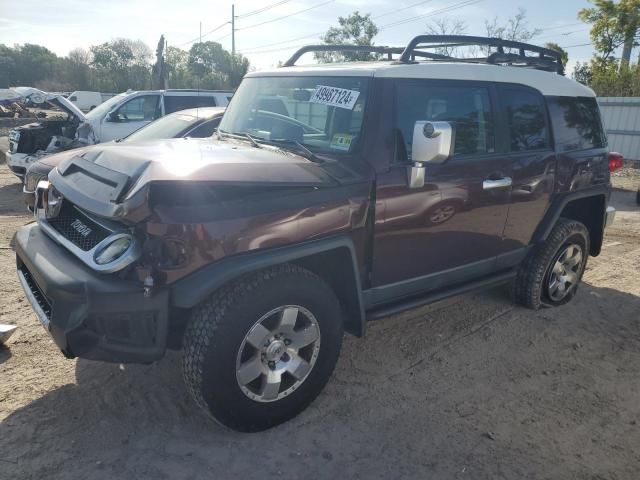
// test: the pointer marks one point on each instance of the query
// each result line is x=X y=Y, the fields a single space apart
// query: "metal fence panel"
x=621 y=118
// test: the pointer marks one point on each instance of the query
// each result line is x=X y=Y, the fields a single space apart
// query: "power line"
x=204 y=34
x=285 y=16
x=448 y=9
x=263 y=9
x=402 y=9
x=433 y=13
x=284 y=41
x=564 y=34
x=561 y=26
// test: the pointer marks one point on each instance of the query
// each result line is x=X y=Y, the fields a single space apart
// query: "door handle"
x=499 y=183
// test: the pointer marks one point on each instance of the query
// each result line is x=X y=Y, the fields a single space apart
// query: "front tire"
x=552 y=272
x=259 y=351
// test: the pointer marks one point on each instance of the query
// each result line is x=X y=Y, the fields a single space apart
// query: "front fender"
x=196 y=287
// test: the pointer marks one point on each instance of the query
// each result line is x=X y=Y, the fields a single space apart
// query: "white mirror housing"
x=432 y=141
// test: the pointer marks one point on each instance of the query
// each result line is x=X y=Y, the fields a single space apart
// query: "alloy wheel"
x=565 y=272
x=278 y=353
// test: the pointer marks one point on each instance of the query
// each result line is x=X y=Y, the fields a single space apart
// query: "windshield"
x=105 y=107
x=322 y=113
x=166 y=127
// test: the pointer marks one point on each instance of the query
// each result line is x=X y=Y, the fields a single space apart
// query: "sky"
x=266 y=37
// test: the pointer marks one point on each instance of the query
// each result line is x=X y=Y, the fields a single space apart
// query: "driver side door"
x=450 y=229
x=133 y=114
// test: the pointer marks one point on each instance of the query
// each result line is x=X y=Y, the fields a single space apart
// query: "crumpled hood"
x=38 y=96
x=102 y=176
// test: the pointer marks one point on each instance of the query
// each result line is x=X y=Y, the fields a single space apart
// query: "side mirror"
x=432 y=143
x=113 y=117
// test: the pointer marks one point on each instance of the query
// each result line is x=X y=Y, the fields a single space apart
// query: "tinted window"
x=169 y=126
x=576 y=123
x=526 y=117
x=467 y=108
x=173 y=103
x=206 y=129
x=143 y=107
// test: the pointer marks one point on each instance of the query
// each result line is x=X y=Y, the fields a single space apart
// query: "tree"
x=177 y=64
x=355 y=29
x=446 y=26
x=78 y=68
x=211 y=66
x=7 y=66
x=516 y=29
x=582 y=73
x=33 y=63
x=121 y=64
x=564 y=56
x=613 y=25
x=159 y=70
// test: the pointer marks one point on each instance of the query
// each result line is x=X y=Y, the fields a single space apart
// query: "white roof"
x=547 y=83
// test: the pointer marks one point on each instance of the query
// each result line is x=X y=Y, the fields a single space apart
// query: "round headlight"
x=112 y=251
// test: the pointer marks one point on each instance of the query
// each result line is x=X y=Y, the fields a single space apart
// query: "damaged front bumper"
x=88 y=314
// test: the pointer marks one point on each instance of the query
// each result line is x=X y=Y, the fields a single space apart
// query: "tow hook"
x=148 y=286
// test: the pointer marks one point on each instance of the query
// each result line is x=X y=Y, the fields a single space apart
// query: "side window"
x=576 y=123
x=206 y=129
x=143 y=107
x=526 y=118
x=175 y=103
x=468 y=108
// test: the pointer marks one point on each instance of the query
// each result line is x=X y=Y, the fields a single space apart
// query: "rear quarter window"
x=526 y=117
x=576 y=123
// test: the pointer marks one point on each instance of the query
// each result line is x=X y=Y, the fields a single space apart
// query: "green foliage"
x=564 y=56
x=608 y=79
x=118 y=65
x=613 y=24
x=354 y=29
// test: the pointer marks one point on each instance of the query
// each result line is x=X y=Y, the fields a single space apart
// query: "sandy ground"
x=473 y=388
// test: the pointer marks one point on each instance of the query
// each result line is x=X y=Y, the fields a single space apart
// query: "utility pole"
x=233 y=30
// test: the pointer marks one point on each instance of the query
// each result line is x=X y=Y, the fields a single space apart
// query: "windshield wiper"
x=301 y=147
x=246 y=135
x=252 y=138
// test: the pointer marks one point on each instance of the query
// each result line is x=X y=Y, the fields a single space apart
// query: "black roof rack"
x=542 y=58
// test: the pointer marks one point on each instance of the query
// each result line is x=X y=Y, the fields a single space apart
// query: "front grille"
x=77 y=227
x=43 y=301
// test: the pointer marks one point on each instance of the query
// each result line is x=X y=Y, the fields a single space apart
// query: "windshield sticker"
x=341 y=141
x=335 y=97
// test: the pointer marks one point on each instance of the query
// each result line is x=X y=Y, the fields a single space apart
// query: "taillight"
x=616 y=161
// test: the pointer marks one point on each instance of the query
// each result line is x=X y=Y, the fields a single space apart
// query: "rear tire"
x=259 y=351
x=551 y=273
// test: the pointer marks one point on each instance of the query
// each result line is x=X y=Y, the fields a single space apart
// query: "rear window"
x=174 y=103
x=576 y=123
x=527 y=119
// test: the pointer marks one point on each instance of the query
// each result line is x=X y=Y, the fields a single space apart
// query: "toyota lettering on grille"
x=81 y=228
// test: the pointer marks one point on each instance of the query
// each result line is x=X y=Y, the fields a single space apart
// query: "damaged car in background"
x=114 y=119
x=35 y=140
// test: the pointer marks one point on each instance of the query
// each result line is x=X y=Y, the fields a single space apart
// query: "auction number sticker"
x=335 y=97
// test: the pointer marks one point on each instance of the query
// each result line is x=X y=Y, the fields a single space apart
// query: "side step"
x=438 y=295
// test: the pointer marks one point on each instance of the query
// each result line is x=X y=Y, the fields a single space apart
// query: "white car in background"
x=87 y=101
x=113 y=119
